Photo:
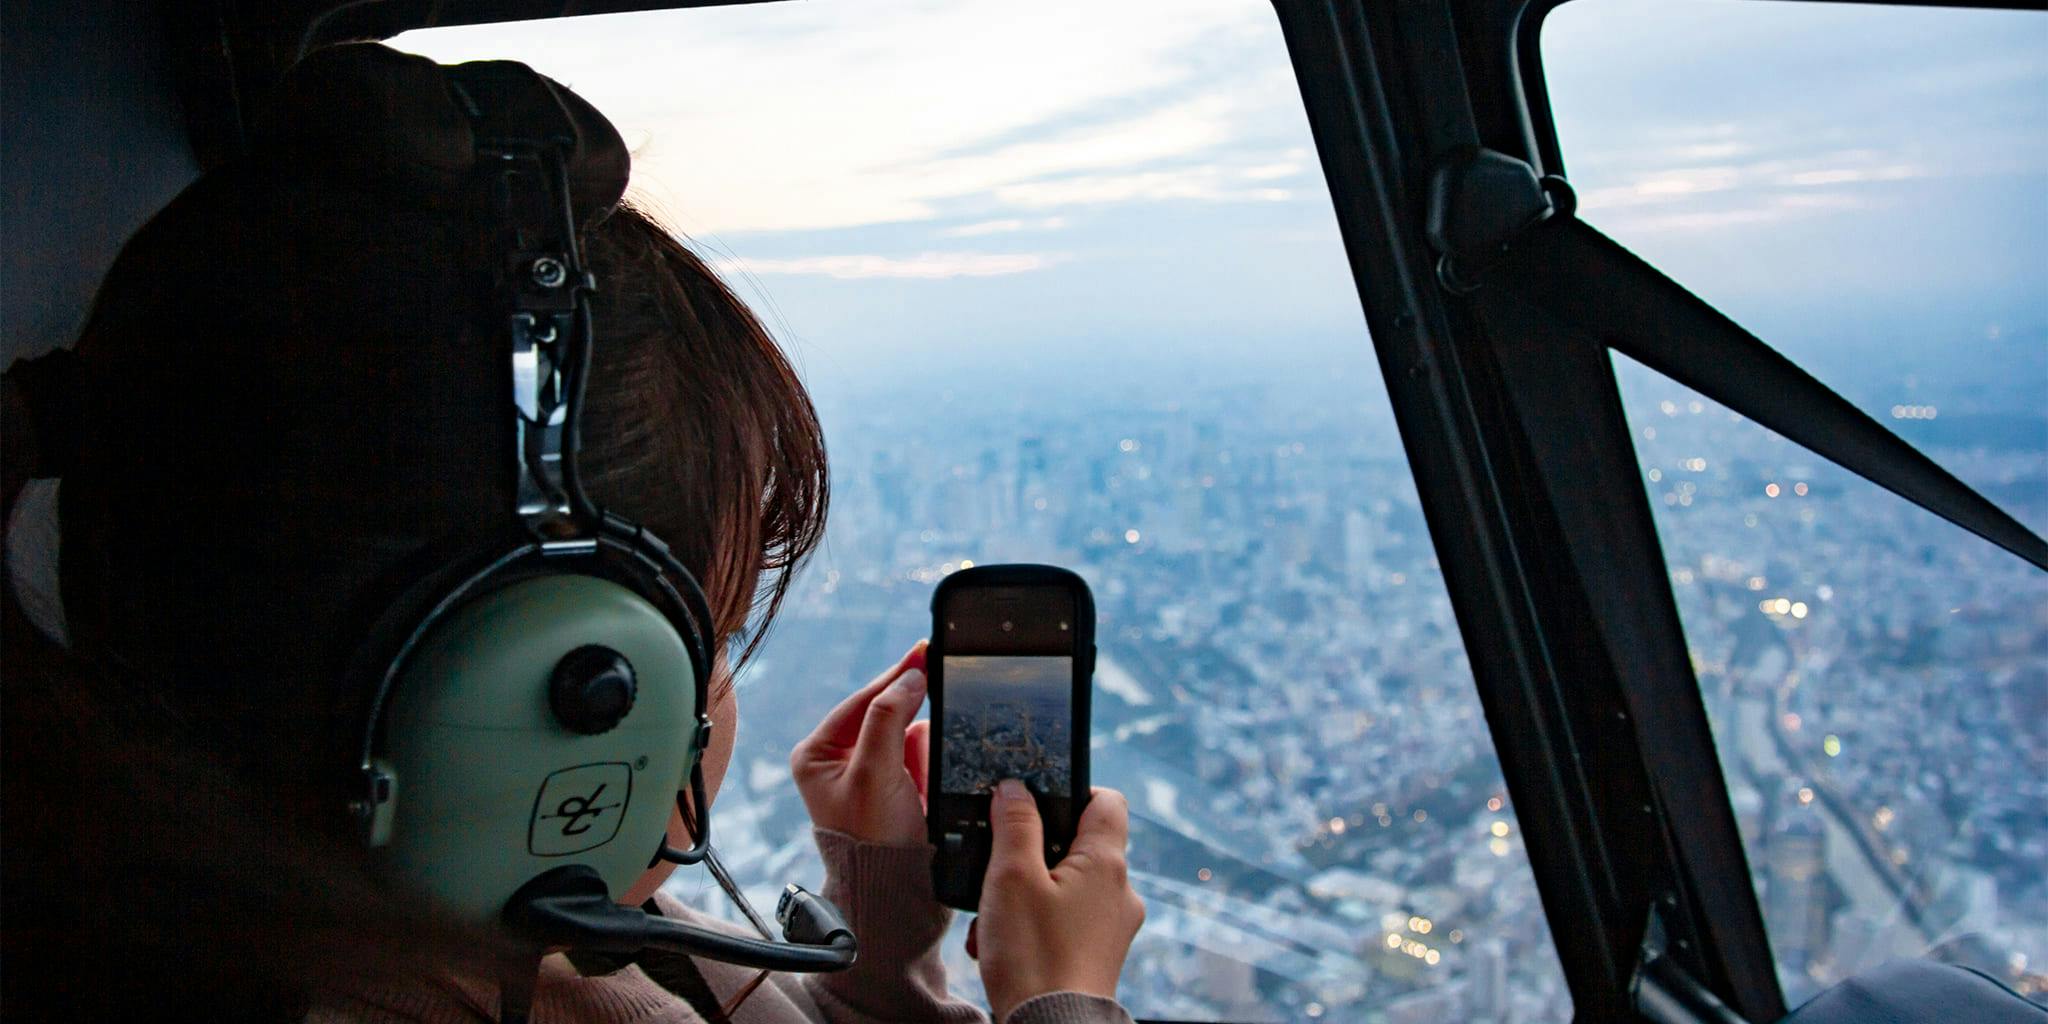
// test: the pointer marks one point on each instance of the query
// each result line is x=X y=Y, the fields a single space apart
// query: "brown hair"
x=296 y=397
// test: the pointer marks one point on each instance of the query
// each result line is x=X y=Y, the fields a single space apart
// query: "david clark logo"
x=579 y=808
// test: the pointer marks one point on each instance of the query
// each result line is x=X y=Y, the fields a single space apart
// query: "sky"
x=1003 y=188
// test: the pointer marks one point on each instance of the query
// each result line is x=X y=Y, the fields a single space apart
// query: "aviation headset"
x=539 y=704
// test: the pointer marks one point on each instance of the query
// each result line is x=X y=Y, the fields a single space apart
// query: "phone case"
x=961 y=858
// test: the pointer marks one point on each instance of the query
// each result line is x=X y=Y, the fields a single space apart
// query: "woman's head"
x=296 y=398
x=300 y=397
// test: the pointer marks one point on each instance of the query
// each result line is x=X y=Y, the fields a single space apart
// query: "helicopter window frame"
x=1887 y=461
x=1512 y=421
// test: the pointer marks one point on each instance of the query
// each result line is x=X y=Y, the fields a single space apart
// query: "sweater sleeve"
x=1069 y=1008
x=885 y=893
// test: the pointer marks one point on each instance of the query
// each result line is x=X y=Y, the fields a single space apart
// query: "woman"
x=285 y=400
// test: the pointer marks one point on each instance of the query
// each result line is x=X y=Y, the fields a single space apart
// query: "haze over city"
x=1065 y=280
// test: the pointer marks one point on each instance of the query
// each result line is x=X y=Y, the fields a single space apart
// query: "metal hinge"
x=1480 y=202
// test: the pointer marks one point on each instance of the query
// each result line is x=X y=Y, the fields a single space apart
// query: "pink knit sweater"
x=885 y=893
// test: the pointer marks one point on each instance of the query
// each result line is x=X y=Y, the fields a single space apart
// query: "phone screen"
x=1008 y=717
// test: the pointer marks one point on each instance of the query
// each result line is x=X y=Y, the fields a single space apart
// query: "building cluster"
x=1320 y=827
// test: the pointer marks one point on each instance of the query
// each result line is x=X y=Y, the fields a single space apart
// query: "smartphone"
x=1010 y=666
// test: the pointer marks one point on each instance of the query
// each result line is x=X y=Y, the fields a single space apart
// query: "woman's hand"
x=1066 y=929
x=862 y=770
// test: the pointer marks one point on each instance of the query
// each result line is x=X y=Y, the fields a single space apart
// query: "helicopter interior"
x=1517 y=355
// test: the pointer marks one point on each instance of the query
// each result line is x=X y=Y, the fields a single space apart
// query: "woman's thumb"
x=1019 y=839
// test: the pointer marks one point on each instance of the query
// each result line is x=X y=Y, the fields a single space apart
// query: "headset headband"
x=526 y=135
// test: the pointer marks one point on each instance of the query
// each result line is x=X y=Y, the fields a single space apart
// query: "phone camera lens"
x=1006 y=627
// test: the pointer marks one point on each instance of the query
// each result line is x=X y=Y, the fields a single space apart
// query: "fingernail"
x=914 y=681
x=1011 y=789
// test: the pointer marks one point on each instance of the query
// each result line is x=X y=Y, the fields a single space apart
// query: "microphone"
x=570 y=906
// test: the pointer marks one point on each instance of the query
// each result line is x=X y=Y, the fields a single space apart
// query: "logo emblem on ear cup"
x=579 y=808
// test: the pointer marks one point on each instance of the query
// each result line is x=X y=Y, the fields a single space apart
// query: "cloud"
x=1208 y=183
x=1004 y=226
x=1766 y=188
x=923 y=266
x=1746 y=210
x=792 y=117
x=1269 y=172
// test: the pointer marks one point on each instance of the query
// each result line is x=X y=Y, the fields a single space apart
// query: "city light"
x=1498 y=846
x=1421 y=816
x=1782 y=606
x=1913 y=412
x=1805 y=795
x=1832 y=745
x=1204 y=875
x=1771 y=490
x=1457 y=936
x=1756 y=583
x=1313 y=1009
x=1798 y=609
x=967 y=563
x=1130 y=536
x=1883 y=818
x=1500 y=828
x=1656 y=475
x=1337 y=826
x=1791 y=721
x=1493 y=803
x=1431 y=957
x=1799 y=488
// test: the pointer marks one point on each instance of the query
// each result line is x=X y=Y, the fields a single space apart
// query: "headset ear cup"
x=490 y=787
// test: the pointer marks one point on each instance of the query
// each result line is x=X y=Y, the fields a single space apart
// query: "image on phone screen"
x=1007 y=717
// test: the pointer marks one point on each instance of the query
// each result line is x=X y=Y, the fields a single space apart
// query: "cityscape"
x=1319 y=825
x=1320 y=829
x=1066 y=282
x=1877 y=679
x=1006 y=718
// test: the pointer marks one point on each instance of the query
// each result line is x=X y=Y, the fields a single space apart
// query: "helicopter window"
x=1067 y=286
x=1875 y=678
